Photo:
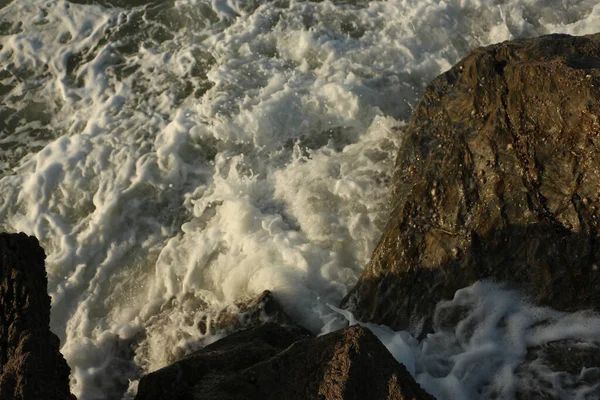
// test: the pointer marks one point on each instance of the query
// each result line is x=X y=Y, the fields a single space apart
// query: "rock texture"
x=575 y=364
x=272 y=362
x=31 y=366
x=498 y=177
x=248 y=313
x=243 y=314
x=214 y=362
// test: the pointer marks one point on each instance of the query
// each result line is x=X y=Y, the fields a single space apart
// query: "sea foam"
x=491 y=342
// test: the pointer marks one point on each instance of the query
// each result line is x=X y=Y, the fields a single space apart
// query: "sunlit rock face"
x=497 y=178
x=31 y=366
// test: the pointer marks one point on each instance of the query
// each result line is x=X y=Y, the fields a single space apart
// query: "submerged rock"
x=247 y=313
x=272 y=362
x=211 y=322
x=560 y=364
x=31 y=366
x=497 y=178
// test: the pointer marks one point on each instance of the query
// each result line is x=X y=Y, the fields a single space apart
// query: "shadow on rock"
x=272 y=362
x=31 y=366
x=496 y=178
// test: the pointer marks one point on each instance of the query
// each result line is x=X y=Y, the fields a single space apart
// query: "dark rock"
x=349 y=364
x=233 y=353
x=497 y=178
x=31 y=366
x=564 y=364
x=245 y=314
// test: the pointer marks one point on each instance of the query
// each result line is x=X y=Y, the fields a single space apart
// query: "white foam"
x=480 y=345
x=182 y=157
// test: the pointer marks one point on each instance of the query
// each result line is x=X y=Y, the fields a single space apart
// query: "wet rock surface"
x=216 y=361
x=272 y=362
x=498 y=177
x=31 y=366
x=565 y=363
x=248 y=313
x=245 y=313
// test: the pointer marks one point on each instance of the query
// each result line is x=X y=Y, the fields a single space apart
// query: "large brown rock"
x=31 y=366
x=498 y=177
x=272 y=362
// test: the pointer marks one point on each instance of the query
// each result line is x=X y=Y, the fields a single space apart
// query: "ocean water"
x=174 y=156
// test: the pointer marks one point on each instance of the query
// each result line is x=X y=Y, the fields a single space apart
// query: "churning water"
x=174 y=156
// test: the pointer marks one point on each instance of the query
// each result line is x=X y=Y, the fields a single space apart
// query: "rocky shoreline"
x=496 y=178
